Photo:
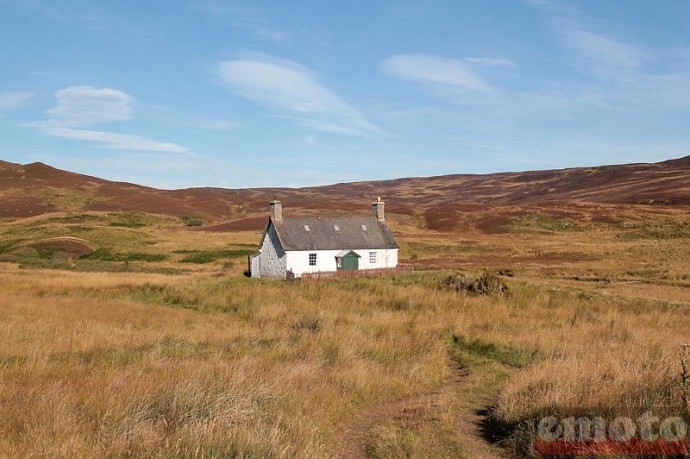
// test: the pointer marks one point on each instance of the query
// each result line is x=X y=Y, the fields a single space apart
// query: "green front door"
x=350 y=262
x=347 y=261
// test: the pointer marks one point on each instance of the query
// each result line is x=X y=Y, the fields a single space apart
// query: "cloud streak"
x=594 y=51
x=490 y=61
x=630 y=76
x=436 y=71
x=10 y=100
x=244 y=17
x=86 y=106
x=81 y=107
x=111 y=140
x=294 y=90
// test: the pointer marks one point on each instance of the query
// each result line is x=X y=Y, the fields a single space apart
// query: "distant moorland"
x=127 y=327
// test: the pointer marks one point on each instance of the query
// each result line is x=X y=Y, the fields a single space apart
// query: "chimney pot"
x=377 y=207
x=276 y=211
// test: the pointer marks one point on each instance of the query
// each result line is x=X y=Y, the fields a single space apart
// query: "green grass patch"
x=408 y=249
x=78 y=218
x=191 y=221
x=127 y=224
x=6 y=245
x=209 y=256
x=205 y=299
x=541 y=222
x=465 y=350
x=31 y=257
x=132 y=220
x=56 y=258
x=101 y=266
x=661 y=230
x=100 y=236
x=10 y=361
x=47 y=252
x=165 y=295
x=106 y=255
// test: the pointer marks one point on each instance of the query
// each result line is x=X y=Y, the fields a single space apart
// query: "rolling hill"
x=35 y=189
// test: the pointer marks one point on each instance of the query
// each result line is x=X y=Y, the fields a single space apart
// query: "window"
x=312 y=259
x=372 y=258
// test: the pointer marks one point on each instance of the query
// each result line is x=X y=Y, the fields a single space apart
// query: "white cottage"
x=292 y=246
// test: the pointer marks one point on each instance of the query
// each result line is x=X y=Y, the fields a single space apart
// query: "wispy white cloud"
x=13 y=99
x=602 y=50
x=244 y=17
x=489 y=61
x=630 y=75
x=596 y=51
x=86 y=106
x=294 y=89
x=435 y=70
x=80 y=12
x=110 y=140
x=310 y=140
x=80 y=107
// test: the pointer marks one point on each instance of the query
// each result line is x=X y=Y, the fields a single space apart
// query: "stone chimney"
x=276 y=211
x=377 y=207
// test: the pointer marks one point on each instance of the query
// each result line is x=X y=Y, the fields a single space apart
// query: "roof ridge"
x=334 y=233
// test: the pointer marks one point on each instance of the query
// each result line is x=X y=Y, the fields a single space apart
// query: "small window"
x=336 y=227
x=312 y=259
x=306 y=228
x=372 y=258
x=364 y=227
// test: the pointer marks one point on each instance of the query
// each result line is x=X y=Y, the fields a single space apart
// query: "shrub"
x=490 y=284
x=192 y=221
x=31 y=257
x=487 y=284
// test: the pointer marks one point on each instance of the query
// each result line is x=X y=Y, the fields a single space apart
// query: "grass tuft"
x=510 y=356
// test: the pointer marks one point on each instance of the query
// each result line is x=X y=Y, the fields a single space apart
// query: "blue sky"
x=273 y=93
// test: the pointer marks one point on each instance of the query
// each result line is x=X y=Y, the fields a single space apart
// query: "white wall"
x=272 y=259
x=256 y=265
x=298 y=261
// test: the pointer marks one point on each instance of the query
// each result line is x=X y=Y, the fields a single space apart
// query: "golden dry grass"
x=208 y=363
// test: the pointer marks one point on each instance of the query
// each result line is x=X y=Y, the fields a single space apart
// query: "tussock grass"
x=208 y=363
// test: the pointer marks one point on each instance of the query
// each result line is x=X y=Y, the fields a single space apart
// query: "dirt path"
x=356 y=435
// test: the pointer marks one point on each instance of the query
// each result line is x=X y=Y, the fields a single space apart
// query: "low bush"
x=31 y=257
x=489 y=283
x=192 y=221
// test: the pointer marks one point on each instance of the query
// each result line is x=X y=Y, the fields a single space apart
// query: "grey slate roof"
x=322 y=234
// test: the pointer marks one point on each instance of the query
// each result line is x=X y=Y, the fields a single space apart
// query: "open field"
x=131 y=334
